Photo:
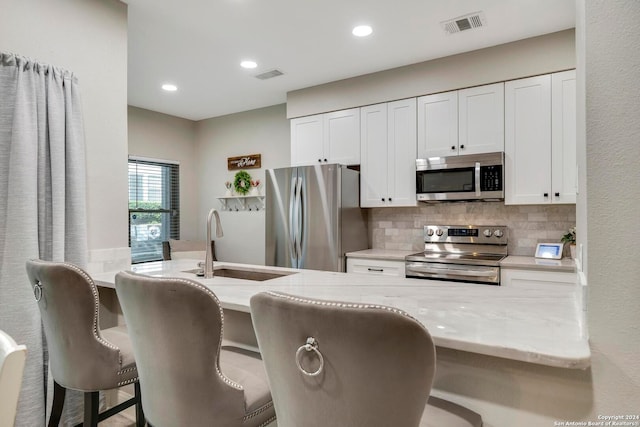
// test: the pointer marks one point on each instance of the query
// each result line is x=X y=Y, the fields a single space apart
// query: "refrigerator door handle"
x=292 y=221
x=299 y=220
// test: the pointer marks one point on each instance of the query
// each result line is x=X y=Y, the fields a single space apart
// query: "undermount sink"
x=236 y=273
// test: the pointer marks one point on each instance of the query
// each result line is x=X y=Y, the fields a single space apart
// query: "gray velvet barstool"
x=343 y=364
x=82 y=356
x=187 y=377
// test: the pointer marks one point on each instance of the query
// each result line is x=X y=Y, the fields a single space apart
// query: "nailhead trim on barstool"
x=344 y=305
x=212 y=295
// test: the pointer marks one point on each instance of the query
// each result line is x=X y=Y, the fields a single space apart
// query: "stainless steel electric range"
x=461 y=253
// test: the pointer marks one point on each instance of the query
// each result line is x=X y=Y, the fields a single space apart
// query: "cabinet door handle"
x=383 y=199
x=379 y=270
x=546 y=194
x=557 y=194
x=325 y=160
x=453 y=147
x=389 y=198
x=320 y=160
x=462 y=146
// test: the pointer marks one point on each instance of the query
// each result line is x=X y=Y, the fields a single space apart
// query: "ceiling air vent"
x=465 y=22
x=269 y=74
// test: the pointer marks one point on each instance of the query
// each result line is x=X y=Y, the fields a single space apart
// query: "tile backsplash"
x=402 y=228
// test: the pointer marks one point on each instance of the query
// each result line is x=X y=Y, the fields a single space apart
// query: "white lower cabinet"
x=377 y=267
x=538 y=279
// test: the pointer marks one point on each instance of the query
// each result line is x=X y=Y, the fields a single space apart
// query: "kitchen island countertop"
x=528 y=325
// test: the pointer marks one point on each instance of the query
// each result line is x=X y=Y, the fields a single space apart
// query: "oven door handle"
x=454 y=271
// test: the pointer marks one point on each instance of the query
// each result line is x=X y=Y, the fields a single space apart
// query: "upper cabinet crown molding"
x=540 y=139
x=326 y=138
x=466 y=121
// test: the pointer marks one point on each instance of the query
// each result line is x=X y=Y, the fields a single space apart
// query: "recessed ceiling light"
x=169 y=87
x=248 y=64
x=362 y=31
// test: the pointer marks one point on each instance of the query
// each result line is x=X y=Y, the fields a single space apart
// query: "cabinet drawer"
x=375 y=267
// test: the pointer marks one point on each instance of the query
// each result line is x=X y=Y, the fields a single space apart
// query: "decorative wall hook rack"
x=242 y=203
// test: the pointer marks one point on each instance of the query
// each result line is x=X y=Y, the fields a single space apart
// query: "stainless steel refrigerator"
x=313 y=217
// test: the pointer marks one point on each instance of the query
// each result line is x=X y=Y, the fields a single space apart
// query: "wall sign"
x=250 y=161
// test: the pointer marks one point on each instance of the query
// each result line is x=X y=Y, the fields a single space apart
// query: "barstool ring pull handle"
x=311 y=345
x=37 y=291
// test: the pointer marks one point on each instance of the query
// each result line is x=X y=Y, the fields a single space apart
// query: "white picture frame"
x=549 y=250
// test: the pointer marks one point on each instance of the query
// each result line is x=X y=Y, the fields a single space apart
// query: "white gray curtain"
x=42 y=202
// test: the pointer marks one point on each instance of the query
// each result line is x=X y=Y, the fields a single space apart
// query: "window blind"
x=154 y=207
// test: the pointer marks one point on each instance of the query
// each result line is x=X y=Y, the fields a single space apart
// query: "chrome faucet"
x=208 y=259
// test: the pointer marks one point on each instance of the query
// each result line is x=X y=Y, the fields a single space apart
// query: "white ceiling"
x=198 y=44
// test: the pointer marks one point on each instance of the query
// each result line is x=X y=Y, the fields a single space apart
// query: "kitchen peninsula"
x=527 y=325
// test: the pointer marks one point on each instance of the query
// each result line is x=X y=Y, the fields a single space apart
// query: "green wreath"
x=242 y=182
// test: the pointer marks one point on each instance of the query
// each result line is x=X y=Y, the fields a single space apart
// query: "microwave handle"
x=478 y=179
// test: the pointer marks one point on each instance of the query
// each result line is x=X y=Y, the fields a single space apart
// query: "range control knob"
x=498 y=233
x=487 y=232
x=430 y=232
x=439 y=232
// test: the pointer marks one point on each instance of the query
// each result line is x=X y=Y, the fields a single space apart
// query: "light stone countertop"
x=531 y=263
x=521 y=324
x=384 y=254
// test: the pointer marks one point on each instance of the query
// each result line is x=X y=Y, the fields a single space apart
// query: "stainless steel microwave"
x=456 y=178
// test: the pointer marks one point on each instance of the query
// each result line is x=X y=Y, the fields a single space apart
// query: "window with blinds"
x=154 y=208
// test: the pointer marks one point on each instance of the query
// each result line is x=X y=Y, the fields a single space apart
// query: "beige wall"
x=163 y=137
x=538 y=55
x=263 y=131
x=89 y=38
x=609 y=218
x=202 y=148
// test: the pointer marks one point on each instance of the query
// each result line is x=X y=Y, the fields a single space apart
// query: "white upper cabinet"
x=307 y=140
x=326 y=138
x=563 y=137
x=467 y=121
x=528 y=140
x=388 y=153
x=540 y=156
x=373 y=149
x=438 y=125
x=481 y=119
